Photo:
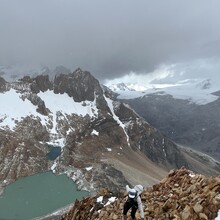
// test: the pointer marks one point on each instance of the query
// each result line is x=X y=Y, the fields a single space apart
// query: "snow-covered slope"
x=14 y=107
x=192 y=90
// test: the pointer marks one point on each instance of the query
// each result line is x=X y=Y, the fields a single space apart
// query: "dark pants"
x=133 y=206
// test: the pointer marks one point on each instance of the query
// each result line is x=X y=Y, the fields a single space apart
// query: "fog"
x=109 y=38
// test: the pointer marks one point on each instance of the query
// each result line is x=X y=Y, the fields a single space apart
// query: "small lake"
x=37 y=195
x=54 y=152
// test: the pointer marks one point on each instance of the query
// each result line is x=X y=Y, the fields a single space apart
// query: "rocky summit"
x=182 y=195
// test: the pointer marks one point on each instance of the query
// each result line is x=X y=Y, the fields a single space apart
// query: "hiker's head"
x=139 y=189
x=132 y=193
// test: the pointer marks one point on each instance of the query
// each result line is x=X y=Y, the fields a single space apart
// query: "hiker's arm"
x=127 y=188
x=140 y=207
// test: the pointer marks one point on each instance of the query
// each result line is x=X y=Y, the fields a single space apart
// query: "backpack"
x=132 y=199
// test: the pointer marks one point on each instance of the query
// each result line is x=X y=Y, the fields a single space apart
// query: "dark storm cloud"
x=108 y=37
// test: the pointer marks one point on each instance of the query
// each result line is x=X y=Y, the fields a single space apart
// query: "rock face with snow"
x=184 y=122
x=41 y=83
x=74 y=113
x=2 y=84
x=182 y=195
x=82 y=86
x=183 y=106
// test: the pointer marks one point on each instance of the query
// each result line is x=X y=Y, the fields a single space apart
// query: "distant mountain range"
x=198 y=91
x=13 y=72
x=185 y=110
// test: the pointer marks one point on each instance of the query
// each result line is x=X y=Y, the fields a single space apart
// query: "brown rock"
x=203 y=216
x=197 y=208
x=186 y=214
x=173 y=198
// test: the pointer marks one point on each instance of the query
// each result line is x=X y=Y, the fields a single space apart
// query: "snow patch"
x=14 y=108
x=53 y=167
x=99 y=199
x=218 y=217
x=94 y=132
x=76 y=175
x=88 y=168
x=58 y=142
x=66 y=104
x=116 y=118
x=175 y=80
x=110 y=200
x=192 y=175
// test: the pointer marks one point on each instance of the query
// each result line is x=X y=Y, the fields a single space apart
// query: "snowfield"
x=194 y=81
x=13 y=107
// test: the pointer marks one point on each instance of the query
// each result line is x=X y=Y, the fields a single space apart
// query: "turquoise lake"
x=37 y=195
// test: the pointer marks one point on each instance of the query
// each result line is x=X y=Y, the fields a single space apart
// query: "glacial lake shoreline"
x=38 y=196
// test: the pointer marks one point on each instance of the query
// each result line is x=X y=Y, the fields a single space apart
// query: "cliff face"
x=182 y=121
x=182 y=195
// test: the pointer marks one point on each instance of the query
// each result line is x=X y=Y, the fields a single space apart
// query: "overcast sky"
x=109 y=38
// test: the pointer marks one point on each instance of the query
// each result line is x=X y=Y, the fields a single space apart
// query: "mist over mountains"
x=108 y=38
x=184 y=107
x=12 y=73
x=195 y=81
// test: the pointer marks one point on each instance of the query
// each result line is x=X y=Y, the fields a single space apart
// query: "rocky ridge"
x=182 y=195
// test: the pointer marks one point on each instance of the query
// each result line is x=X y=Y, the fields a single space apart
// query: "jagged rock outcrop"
x=41 y=83
x=37 y=101
x=2 y=84
x=80 y=85
x=22 y=155
x=182 y=195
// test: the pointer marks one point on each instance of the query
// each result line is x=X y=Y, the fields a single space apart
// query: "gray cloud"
x=109 y=38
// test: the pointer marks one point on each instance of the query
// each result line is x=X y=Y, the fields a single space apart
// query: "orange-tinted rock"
x=181 y=195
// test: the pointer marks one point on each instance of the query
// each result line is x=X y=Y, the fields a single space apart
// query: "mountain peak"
x=80 y=85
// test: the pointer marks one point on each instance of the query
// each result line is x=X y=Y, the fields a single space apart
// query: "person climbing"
x=133 y=202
